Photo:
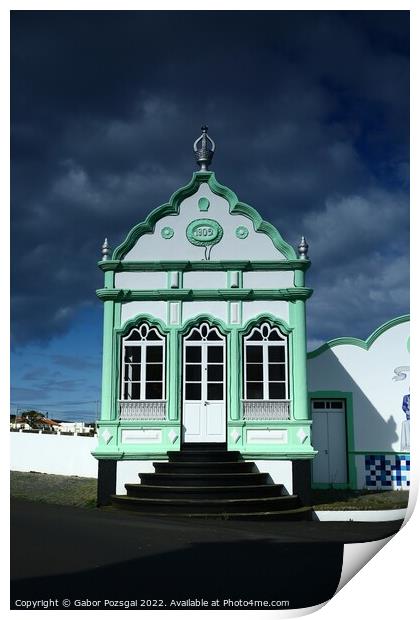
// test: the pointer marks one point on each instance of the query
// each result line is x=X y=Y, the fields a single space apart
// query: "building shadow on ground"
x=263 y=570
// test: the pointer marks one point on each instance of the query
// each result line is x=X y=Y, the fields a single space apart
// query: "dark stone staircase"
x=205 y=480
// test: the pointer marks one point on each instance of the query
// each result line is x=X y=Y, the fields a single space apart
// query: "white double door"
x=329 y=439
x=204 y=393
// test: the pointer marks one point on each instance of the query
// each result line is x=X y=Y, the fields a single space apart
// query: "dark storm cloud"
x=309 y=112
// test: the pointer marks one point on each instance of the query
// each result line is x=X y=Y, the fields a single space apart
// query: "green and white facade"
x=205 y=342
x=204 y=336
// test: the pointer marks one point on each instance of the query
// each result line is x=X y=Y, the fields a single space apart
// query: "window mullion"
x=143 y=371
x=265 y=371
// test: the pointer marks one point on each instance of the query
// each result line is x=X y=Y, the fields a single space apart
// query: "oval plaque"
x=204 y=232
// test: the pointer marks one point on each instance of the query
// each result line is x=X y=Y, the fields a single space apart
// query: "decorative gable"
x=204 y=221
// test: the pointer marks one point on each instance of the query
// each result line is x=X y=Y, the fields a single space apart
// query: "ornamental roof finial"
x=105 y=250
x=204 y=151
x=303 y=249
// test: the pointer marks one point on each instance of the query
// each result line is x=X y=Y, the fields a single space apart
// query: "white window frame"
x=143 y=329
x=265 y=343
x=204 y=344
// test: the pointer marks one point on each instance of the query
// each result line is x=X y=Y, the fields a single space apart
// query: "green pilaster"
x=173 y=375
x=234 y=381
x=299 y=279
x=107 y=355
x=300 y=385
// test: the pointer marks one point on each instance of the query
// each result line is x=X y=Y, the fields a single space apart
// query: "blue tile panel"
x=391 y=471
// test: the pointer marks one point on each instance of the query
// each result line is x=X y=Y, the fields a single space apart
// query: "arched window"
x=266 y=364
x=143 y=364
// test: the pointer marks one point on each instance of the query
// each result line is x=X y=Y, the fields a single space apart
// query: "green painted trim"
x=117 y=314
x=384 y=452
x=270 y=318
x=215 y=227
x=172 y=208
x=299 y=279
x=235 y=374
x=173 y=378
x=118 y=335
x=278 y=456
x=357 y=342
x=298 y=362
x=129 y=456
x=286 y=294
x=107 y=361
x=348 y=397
x=135 y=423
x=243 y=331
x=109 y=279
x=211 y=265
x=269 y=423
x=135 y=320
x=203 y=203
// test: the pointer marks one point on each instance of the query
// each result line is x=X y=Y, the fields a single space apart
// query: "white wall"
x=65 y=455
x=280 y=471
x=268 y=279
x=369 y=375
x=279 y=309
x=132 y=308
x=141 y=280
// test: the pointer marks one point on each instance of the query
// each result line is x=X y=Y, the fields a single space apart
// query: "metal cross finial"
x=105 y=250
x=303 y=249
x=204 y=152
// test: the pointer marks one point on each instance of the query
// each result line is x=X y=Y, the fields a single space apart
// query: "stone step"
x=205 y=492
x=198 y=467
x=203 y=479
x=303 y=513
x=208 y=506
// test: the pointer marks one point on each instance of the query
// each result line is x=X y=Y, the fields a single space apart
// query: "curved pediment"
x=204 y=220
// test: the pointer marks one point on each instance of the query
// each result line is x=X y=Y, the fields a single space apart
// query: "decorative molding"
x=204 y=232
x=266 y=410
x=242 y=232
x=210 y=265
x=234 y=279
x=134 y=436
x=174 y=279
x=267 y=435
x=357 y=342
x=235 y=435
x=143 y=410
x=173 y=436
x=270 y=318
x=235 y=207
x=167 y=232
x=203 y=203
x=285 y=294
x=106 y=436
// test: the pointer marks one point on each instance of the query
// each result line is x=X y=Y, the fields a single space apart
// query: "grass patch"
x=343 y=499
x=52 y=489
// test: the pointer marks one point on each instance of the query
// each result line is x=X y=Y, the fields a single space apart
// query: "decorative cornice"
x=211 y=265
x=357 y=342
x=124 y=295
x=172 y=208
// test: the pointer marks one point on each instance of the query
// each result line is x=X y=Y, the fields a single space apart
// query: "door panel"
x=329 y=439
x=215 y=421
x=204 y=378
x=320 y=469
x=193 y=421
x=337 y=446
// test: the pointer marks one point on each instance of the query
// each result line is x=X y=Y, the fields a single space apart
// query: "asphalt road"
x=61 y=552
